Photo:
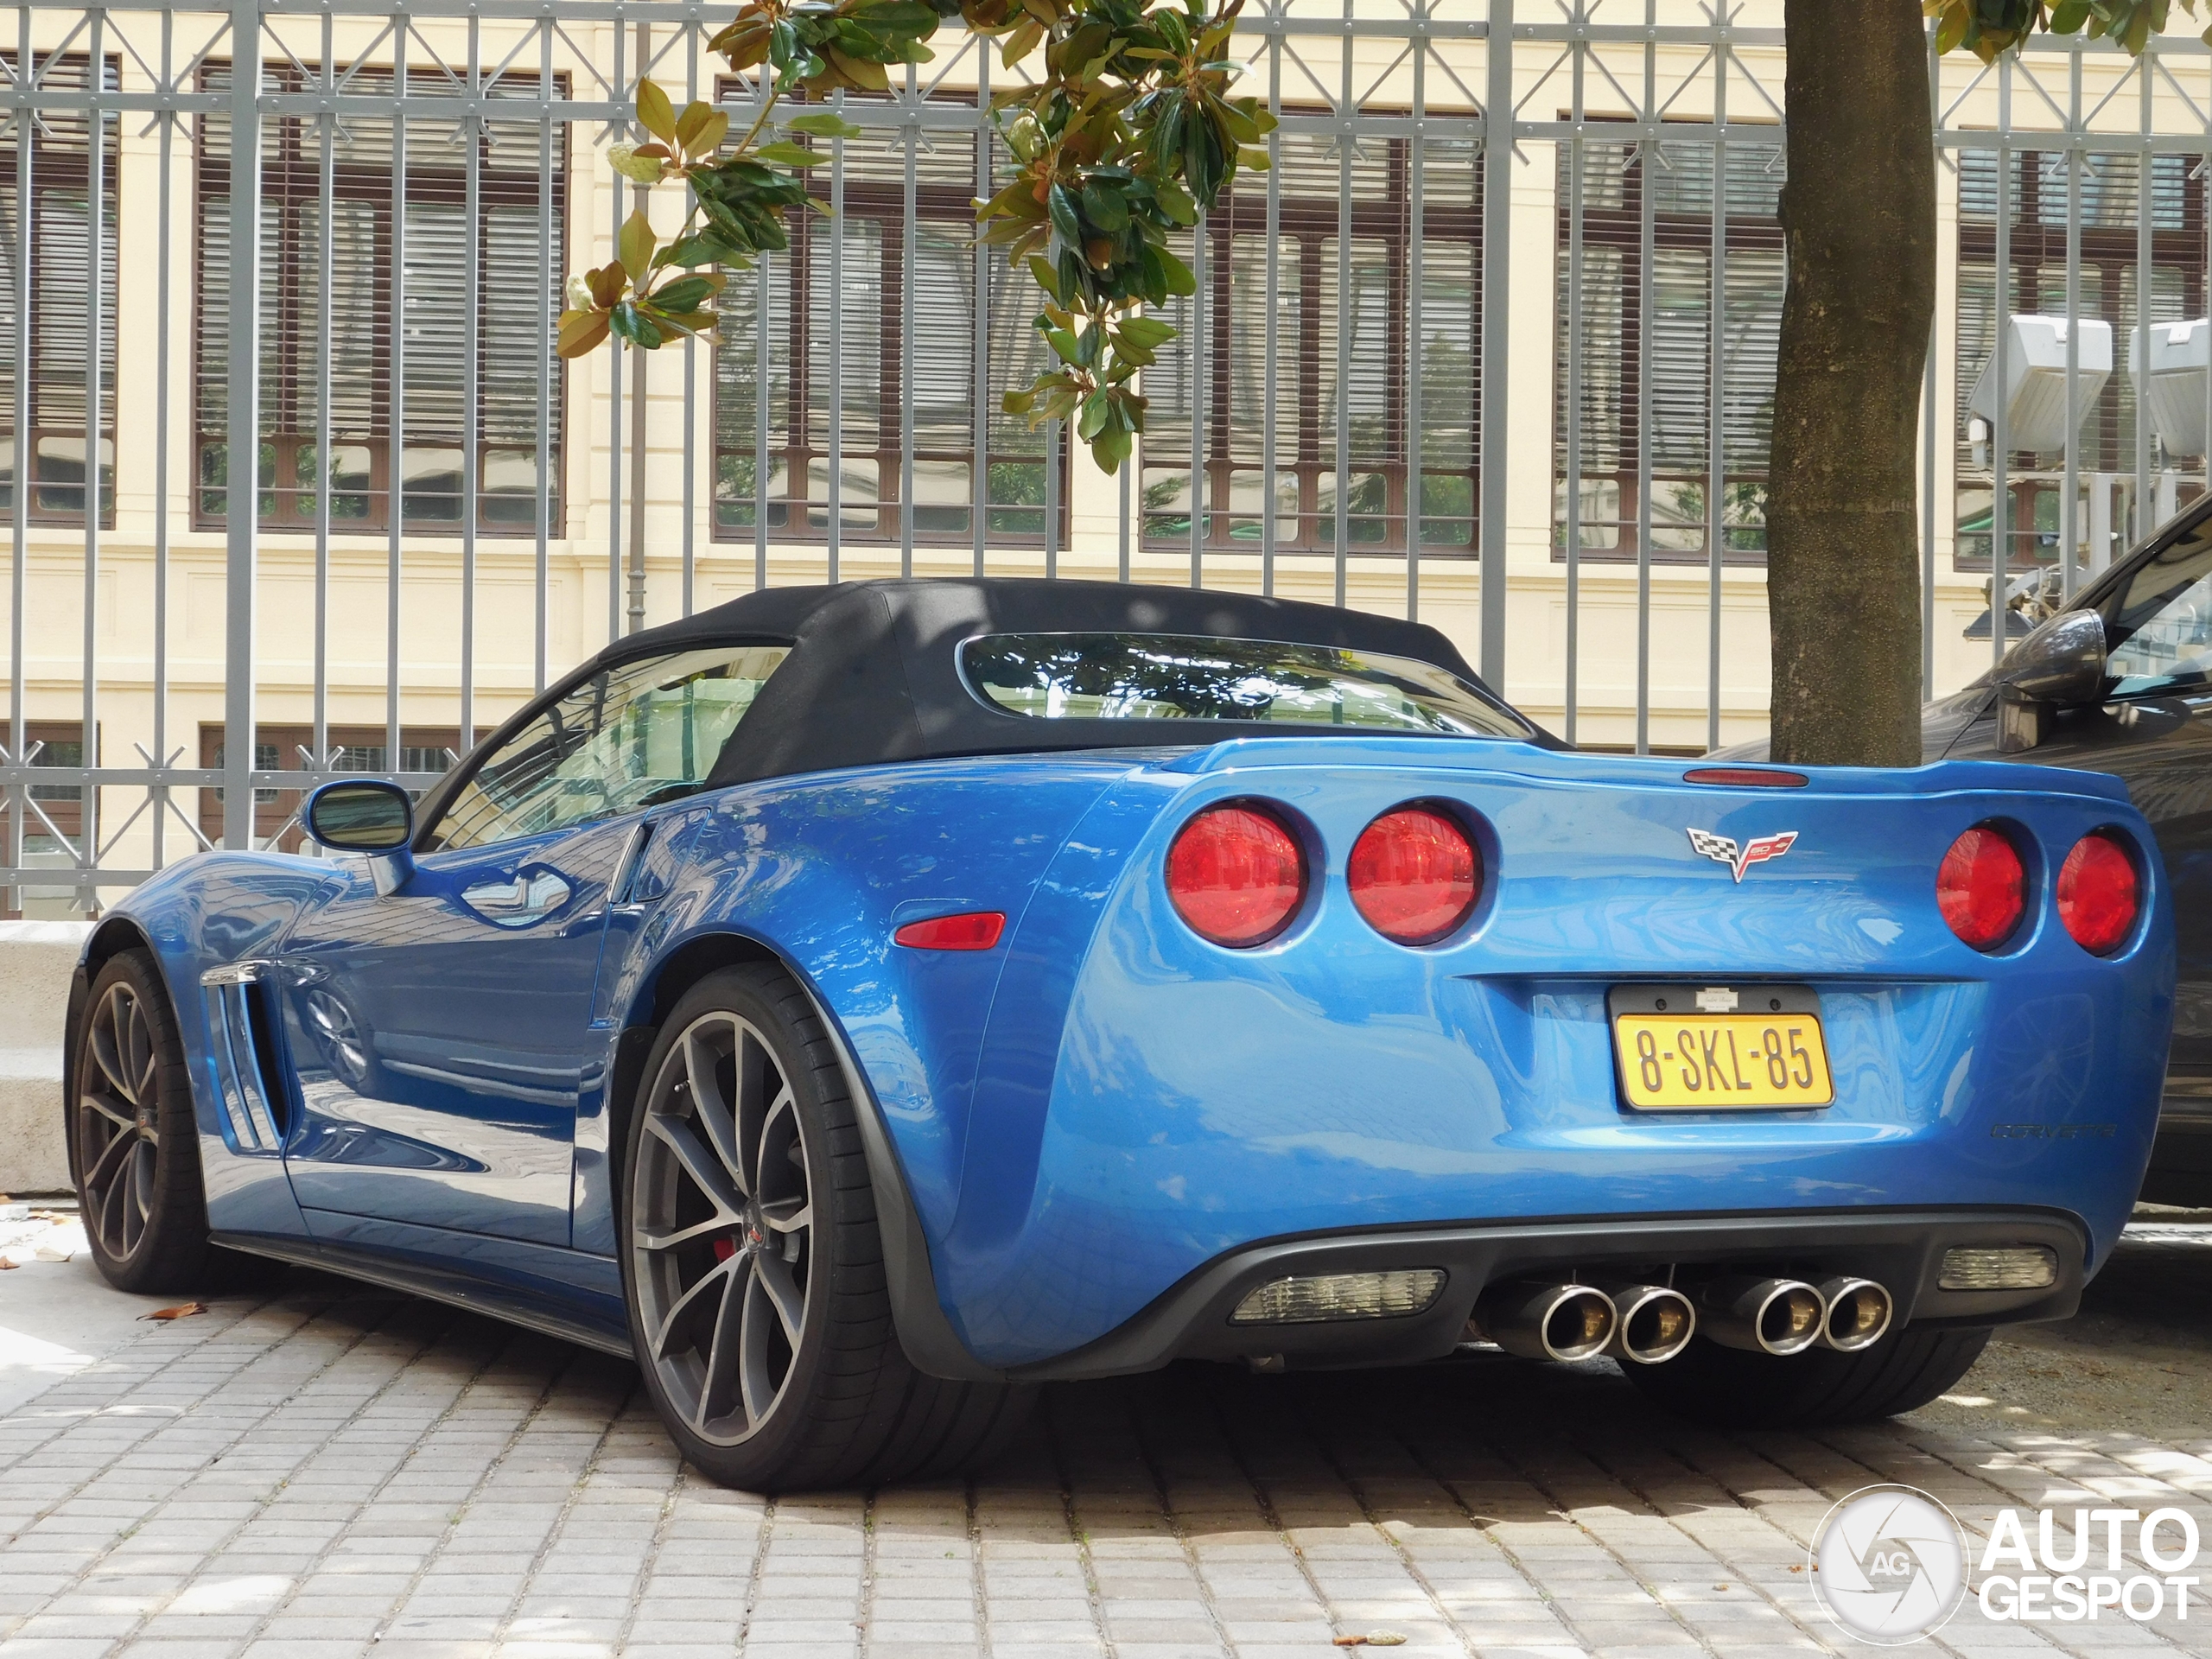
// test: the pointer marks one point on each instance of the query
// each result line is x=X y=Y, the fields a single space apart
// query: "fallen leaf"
x=6 y=1266
x=176 y=1312
x=1800 y=1567
x=51 y=1253
x=1385 y=1639
x=1351 y=1642
x=1720 y=1587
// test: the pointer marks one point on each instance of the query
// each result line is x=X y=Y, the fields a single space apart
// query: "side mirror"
x=369 y=815
x=2061 y=664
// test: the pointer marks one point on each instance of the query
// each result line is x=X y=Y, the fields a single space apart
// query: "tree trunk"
x=1858 y=215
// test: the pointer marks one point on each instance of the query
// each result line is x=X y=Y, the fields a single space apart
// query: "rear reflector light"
x=1415 y=875
x=1340 y=1296
x=1983 y=888
x=974 y=930
x=1235 y=876
x=2099 y=893
x=1746 y=778
x=2031 y=1267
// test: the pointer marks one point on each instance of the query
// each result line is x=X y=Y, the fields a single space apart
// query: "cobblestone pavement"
x=337 y=1471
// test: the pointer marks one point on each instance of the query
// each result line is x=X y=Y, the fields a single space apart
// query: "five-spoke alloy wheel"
x=753 y=1265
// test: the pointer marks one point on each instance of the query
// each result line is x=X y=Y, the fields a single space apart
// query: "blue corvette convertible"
x=863 y=1003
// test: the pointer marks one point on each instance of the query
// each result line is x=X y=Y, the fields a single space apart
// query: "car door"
x=441 y=1034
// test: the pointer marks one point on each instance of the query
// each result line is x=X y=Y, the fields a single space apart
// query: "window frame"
x=791 y=518
x=1310 y=221
x=292 y=179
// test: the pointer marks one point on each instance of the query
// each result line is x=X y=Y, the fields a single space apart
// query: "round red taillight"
x=1415 y=875
x=1983 y=888
x=2099 y=894
x=1237 y=875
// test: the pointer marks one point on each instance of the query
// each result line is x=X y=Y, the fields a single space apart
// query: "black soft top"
x=874 y=674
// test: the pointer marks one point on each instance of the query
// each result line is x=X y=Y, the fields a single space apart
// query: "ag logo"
x=1890 y=1564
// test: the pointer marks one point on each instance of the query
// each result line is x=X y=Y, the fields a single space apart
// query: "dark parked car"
x=2121 y=682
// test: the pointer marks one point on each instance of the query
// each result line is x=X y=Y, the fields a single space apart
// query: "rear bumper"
x=1901 y=1249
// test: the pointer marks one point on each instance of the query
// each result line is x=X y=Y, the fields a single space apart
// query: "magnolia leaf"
x=710 y=137
x=581 y=331
x=635 y=245
x=826 y=124
x=606 y=285
x=1020 y=44
x=860 y=72
x=786 y=155
x=183 y=1310
x=693 y=122
x=655 y=114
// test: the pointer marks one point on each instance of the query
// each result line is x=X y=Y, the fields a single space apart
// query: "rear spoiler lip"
x=1519 y=761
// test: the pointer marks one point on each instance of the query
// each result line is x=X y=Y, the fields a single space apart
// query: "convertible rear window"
x=1190 y=677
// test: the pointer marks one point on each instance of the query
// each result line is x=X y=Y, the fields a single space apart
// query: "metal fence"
x=280 y=284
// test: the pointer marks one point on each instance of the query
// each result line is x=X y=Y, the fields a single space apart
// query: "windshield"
x=1189 y=677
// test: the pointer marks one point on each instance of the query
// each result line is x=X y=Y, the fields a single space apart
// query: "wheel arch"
x=110 y=938
x=924 y=1332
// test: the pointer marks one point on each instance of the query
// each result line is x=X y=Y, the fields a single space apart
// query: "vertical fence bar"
x=761 y=424
x=1127 y=466
x=615 y=348
x=88 y=794
x=1929 y=425
x=2002 y=308
x=1716 y=426
x=474 y=133
x=1202 y=394
x=691 y=370
x=1053 y=466
x=1576 y=165
x=640 y=196
x=1647 y=179
x=542 y=491
x=324 y=264
x=241 y=420
x=2146 y=504
x=909 y=233
x=1497 y=305
x=396 y=476
x=1270 y=380
x=159 y=758
x=2070 y=490
x=835 y=528
x=980 y=478
x=19 y=563
x=1416 y=215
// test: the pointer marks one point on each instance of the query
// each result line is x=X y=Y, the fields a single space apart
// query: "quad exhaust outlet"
x=1642 y=1324
x=1652 y=1323
x=1540 y=1321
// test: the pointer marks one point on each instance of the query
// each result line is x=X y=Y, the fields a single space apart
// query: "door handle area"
x=518 y=901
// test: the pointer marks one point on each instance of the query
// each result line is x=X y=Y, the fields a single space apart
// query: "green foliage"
x=1989 y=27
x=1129 y=135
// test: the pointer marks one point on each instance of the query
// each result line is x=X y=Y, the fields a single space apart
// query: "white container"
x=2035 y=371
x=2174 y=389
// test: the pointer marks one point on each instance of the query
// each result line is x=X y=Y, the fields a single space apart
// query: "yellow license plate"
x=1725 y=1062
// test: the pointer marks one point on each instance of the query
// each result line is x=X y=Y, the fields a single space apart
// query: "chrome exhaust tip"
x=1652 y=1323
x=1540 y=1321
x=1858 y=1314
x=1762 y=1316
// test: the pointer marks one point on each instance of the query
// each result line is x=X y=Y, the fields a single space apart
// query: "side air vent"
x=257 y=1104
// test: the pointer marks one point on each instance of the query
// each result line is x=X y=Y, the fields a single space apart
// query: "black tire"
x=134 y=1142
x=1730 y=1389
x=744 y=1167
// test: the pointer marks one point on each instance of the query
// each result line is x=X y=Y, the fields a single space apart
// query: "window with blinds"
x=1343 y=325
x=1659 y=324
x=837 y=336
x=60 y=249
x=516 y=237
x=2111 y=192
